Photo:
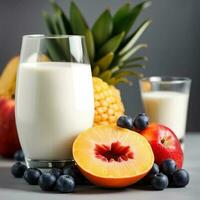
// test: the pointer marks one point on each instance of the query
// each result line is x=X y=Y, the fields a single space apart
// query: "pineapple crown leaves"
x=102 y=28
x=77 y=21
x=111 y=48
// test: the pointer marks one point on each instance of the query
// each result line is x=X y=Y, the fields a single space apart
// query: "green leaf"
x=106 y=75
x=63 y=20
x=126 y=73
x=58 y=29
x=96 y=71
x=114 y=69
x=102 y=28
x=135 y=36
x=56 y=26
x=127 y=55
x=139 y=58
x=131 y=18
x=78 y=23
x=55 y=51
x=49 y=22
x=112 y=81
x=115 y=81
x=90 y=45
x=105 y=61
x=120 y=16
x=55 y=6
x=133 y=64
x=60 y=23
x=111 y=45
x=123 y=80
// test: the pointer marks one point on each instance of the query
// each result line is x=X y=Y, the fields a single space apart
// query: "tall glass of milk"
x=54 y=98
x=165 y=101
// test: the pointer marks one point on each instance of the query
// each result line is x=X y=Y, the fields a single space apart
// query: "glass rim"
x=43 y=36
x=166 y=79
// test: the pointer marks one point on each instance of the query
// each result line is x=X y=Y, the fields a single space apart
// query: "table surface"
x=14 y=189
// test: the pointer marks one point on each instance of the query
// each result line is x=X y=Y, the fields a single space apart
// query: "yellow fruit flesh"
x=84 y=145
x=107 y=101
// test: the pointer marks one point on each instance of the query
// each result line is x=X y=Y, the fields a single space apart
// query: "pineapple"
x=107 y=101
x=111 y=50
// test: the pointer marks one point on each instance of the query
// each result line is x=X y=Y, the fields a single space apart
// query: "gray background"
x=173 y=38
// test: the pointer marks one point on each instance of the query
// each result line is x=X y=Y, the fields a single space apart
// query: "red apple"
x=164 y=143
x=9 y=142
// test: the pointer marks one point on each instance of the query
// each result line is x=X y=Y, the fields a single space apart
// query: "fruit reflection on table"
x=115 y=157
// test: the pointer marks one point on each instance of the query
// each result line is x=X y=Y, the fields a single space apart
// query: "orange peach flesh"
x=112 y=168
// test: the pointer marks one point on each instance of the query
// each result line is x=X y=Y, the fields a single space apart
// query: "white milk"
x=167 y=108
x=54 y=102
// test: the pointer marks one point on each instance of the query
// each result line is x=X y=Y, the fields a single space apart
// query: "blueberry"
x=18 y=170
x=31 y=175
x=65 y=184
x=155 y=169
x=47 y=181
x=180 y=178
x=146 y=180
x=73 y=171
x=70 y=170
x=168 y=167
x=19 y=155
x=141 y=121
x=159 y=181
x=56 y=172
x=125 y=122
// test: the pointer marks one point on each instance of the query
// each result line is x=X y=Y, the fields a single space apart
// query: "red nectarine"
x=164 y=143
x=9 y=142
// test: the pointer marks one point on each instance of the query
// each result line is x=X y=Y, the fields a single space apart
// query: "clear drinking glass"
x=165 y=101
x=54 y=98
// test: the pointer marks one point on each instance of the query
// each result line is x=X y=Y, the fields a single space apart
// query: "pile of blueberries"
x=62 y=180
x=166 y=175
x=139 y=123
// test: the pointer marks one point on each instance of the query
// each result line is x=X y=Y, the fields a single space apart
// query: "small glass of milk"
x=54 y=98
x=165 y=101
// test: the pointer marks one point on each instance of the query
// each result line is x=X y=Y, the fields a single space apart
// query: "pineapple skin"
x=107 y=102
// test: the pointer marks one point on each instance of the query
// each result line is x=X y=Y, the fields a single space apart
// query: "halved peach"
x=110 y=156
